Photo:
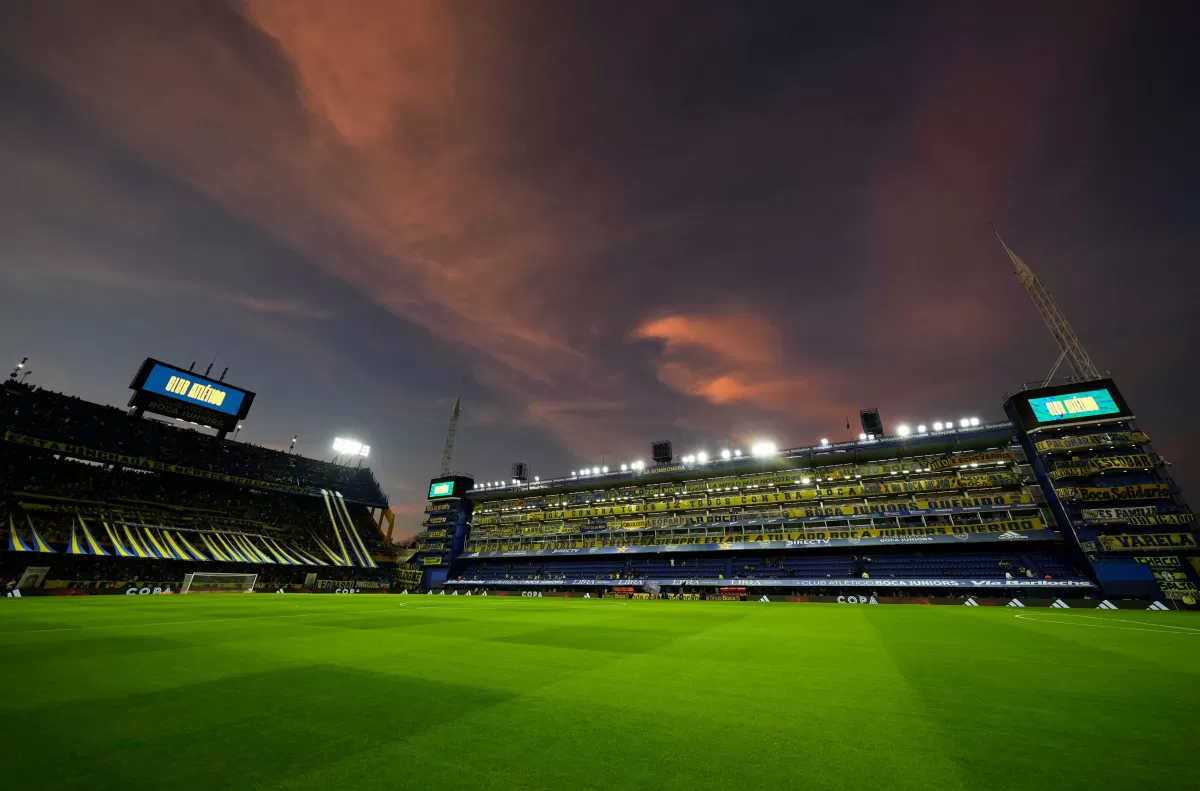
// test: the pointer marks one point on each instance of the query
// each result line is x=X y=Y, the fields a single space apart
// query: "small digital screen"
x=441 y=489
x=192 y=389
x=1073 y=406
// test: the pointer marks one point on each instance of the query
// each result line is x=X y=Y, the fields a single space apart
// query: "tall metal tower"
x=1072 y=348
x=450 y=432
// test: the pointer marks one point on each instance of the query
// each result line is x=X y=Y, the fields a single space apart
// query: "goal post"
x=199 y=582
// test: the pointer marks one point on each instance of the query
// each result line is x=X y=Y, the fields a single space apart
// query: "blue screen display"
x=1074 y=406
x=193 y=389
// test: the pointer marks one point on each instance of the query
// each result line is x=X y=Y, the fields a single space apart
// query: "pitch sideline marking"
x=1101 y=626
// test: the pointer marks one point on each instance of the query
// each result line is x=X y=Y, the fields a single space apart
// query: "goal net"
x=218 y=583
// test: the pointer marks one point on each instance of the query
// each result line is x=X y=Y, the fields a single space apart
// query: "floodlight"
x=764 y=448
x=725 y=454
x=903 y=430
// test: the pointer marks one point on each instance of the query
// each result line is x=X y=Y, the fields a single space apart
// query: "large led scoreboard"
x=173 y=392
x=1090 y=403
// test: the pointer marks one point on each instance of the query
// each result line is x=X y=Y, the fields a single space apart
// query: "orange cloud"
x=737 y=359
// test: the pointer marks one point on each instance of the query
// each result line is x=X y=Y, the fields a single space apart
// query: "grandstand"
x=99 y=496
x=959 y=509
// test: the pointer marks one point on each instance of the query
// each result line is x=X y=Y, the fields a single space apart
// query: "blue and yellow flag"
x=353 y=531
x=15 y=544
x=76 y=547
x=41 y=545
x=197 y=554
x=92 y=544
x=174 y=545
x=213 y=549
x=133 y=542
x=118 y=547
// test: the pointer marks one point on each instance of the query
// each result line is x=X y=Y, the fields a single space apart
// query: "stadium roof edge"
x=930 y=442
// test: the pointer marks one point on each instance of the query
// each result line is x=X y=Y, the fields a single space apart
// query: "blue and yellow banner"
x=1088 y=441
x=1147 y=542
x=1137 y=491
x=1082 y=467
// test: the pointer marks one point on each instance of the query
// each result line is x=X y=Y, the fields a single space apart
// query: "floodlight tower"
x=451 y=430
x=1068 y=342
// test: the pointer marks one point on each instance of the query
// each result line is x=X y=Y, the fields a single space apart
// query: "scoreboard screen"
x=1088 y=402
x=453 y=486
x=173 y=392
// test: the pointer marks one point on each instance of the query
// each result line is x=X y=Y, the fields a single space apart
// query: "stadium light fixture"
x=595 y=470
x=624 y=467
x=737 y=454
x=964 y=422
x=921 y=429
x=604 y=469
x=639 y=465
x=824 y=443
x=903 y=430
x=702 y=457
x=726 y=454
x=764 y=448
x=937 y=425
x=572 y=473
x=350 y=447
x=974 y=421
x=862 y=436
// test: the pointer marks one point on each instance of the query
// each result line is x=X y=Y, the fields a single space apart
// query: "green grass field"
x=388 y=692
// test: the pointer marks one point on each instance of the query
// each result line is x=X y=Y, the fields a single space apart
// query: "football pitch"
x=394 y=692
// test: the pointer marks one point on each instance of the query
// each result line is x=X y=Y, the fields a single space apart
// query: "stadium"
x=709 y=620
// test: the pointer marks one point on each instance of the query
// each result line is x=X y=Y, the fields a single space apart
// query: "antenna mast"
x=1072 y=348
x=451 y=430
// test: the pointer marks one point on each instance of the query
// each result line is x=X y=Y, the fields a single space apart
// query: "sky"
x=603 y=223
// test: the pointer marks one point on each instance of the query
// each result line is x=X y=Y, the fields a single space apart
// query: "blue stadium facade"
x=1066 y=500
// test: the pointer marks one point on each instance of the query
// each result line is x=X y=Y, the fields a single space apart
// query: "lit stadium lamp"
x=604 y=469
x=350 y=447
x=737 y=453
x=595 y=470
x=535 y=480
x=624 y=467
x=937 y=425
x=903 y=430
x=702 y=457
x=921 y=429
x=725 y=454
x=639 y=465
x=824 y=443
x=862 y=437
x=572 y=473
x=964 y=422
x=974 y=421
x=765 y=448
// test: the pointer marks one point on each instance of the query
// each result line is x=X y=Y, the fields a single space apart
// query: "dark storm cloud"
x=607 y=222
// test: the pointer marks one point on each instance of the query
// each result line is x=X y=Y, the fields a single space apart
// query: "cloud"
x=731 y=360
